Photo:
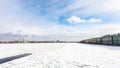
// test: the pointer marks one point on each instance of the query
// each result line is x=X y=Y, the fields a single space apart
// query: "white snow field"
x=61 y=55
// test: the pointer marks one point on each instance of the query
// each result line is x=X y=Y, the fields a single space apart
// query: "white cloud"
x=110 y=6
x=14 y=19
x=92 y=7
x=94 y=20
x=77 y=20
x=109 y=28
x=79 y=32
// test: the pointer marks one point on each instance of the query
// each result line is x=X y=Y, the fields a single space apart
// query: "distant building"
x=25 y=39
x=116 y=39
x=107 y=39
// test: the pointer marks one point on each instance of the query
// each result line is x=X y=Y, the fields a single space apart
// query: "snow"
x=61 y=55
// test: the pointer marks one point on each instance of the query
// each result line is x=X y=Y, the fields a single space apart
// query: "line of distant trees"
x=39 y=42
x=12 y=38
x=16 y=38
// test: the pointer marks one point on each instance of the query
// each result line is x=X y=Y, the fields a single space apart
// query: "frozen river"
x=61 y=55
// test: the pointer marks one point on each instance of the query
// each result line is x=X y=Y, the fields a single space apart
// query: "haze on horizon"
x=61 y=19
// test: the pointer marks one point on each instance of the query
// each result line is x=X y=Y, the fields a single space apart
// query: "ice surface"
x=61 y=55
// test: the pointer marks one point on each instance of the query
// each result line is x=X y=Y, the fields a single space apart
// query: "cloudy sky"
x=60 y=19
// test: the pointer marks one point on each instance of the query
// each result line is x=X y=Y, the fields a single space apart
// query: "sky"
x=60 y=19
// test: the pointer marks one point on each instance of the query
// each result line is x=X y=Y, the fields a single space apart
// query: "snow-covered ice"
x=61 y=55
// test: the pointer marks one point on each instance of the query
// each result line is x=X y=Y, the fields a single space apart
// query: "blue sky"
x=61 y=19
x=60 y=10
